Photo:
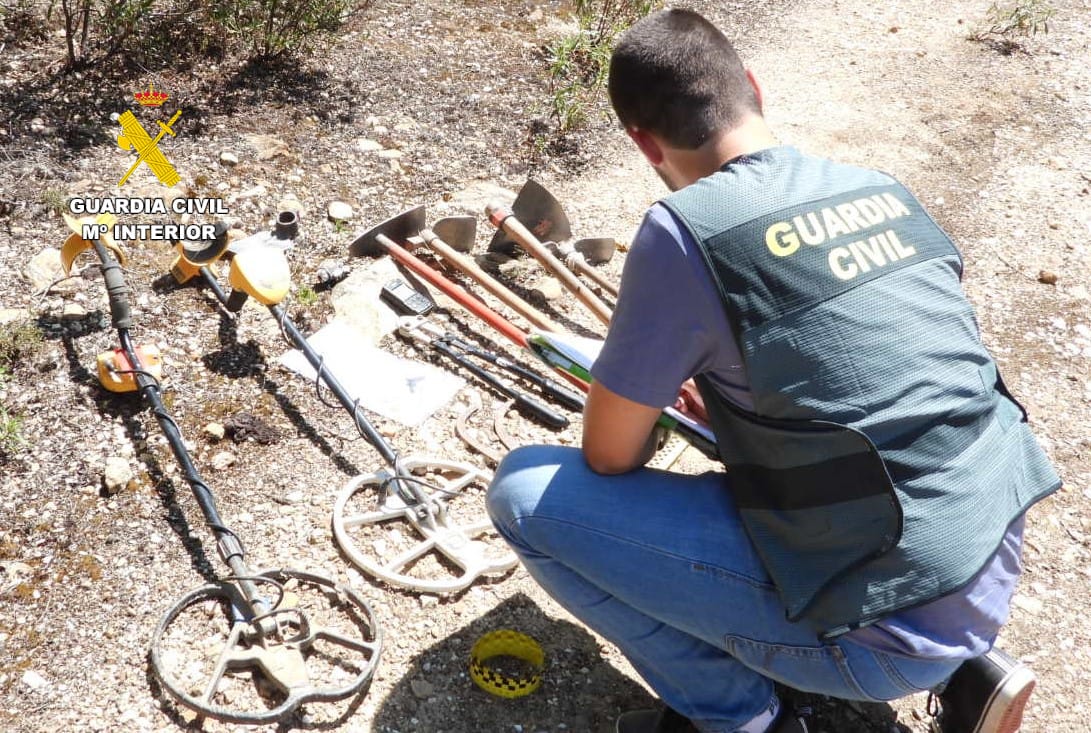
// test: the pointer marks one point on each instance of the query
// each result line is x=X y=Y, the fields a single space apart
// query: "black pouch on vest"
x=815 y=496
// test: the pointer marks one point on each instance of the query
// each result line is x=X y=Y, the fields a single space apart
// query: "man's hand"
x=691 y=403
x=617 y=432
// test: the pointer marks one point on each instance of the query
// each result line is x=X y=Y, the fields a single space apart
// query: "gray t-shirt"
x=669 y=325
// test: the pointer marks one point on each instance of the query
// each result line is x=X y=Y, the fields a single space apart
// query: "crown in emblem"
x=151 y=98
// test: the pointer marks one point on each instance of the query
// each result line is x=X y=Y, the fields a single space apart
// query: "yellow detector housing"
x=262 y=273
x=76 y=244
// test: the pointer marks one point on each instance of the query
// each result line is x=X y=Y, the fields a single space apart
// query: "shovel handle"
x=487 y=281
x=453 y=290
x=587 y=270
x=502 y=218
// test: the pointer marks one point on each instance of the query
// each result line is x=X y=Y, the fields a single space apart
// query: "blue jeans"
x=659 y=564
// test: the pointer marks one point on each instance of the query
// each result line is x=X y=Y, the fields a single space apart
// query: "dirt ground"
x=997 y=146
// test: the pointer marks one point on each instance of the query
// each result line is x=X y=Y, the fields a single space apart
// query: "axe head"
x=459 y=232
x=539 y=212
x=399 y=228
x=597 y=250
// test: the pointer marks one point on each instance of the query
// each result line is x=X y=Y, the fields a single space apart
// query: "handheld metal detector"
x=252 y=647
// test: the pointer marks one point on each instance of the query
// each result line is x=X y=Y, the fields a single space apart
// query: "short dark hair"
x=676 y=75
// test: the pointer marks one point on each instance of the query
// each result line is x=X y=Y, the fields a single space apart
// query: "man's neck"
x=689 y=166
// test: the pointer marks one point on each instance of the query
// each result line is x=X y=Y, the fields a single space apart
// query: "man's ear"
x=647 y=144
x=757 y=90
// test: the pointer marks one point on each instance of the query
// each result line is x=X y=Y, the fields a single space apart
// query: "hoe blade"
x=400 y=228
x=457 y=231
x=597 y=250
x=539 y=212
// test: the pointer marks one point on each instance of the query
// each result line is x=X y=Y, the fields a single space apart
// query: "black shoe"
x=666 y=720
x=985 y=695
x=792 y=721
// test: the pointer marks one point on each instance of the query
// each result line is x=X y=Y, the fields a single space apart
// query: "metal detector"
x=413 y=490
x=255 y=646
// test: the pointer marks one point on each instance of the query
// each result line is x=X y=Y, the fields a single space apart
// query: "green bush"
x=1005 y=24
x=579 y=64
x=271 y=27
x=96 y=29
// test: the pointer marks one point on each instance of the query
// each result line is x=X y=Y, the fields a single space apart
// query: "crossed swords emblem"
x=135 y=137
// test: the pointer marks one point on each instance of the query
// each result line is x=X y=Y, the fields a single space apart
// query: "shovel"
x=535 y=215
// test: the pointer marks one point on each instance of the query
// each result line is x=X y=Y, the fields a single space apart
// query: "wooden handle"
x=504 y=219
x=453 y=290
x=487 y=281
x=587 y=269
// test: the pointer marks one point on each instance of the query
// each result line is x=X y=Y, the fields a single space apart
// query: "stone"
x=13 y=315
x=549 y=288
x=215 y=431
x=222 y=460
x=34 y=681
x=45 y=268
x=1047 y=278
x=117 y=475
x=266 y=146
x=73 y=312
x=339 y=211
x=391 y=154
x=1031 y=605
x=291 y=203
x=251 y=193
x=422 y=689
x=364 y=145
x=228 y=158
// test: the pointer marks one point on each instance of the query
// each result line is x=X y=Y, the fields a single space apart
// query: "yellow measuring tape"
x=506 y=643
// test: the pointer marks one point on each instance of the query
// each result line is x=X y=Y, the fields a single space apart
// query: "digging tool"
x=383 y=239
x=453 y=236
x=422 y=332
x=579 y=257
x=266 y=638
x=545 y=219
x=260 y=270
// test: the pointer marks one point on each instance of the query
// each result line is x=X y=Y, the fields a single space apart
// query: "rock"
x=549 y=288
x=252 y=193
x=229 y=159
x=1031 y=605
x=422 y=689
x=222 y=460
x=44 y=268
x=1047 y=278
x=267 y=146
x=34 y=681
x=364 y=145
x=428 y=601
x=117 y=476
x=73 y=312
x=391 y=154
x=215 y=431
x=13 y=315
x=291 y=203
x=339 y=211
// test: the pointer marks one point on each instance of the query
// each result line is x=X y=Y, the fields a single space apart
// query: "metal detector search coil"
x=506 y=643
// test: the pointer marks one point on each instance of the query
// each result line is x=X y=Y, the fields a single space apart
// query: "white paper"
x=400 y=389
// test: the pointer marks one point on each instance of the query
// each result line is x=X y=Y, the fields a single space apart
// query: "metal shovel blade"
x=596 y=250
x=399 y=228
x=457 y=231
x=539 y=212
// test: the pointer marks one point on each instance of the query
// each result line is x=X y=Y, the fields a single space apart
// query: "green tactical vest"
x=883 y=459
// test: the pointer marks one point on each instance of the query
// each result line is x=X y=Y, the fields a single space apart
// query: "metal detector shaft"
x=362 y=423
x=315 y=360
x=502 y=218
x=228 y=544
